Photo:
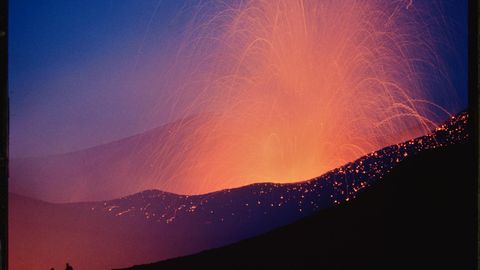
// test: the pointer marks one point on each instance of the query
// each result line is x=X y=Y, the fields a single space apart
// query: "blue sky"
x=72 y=67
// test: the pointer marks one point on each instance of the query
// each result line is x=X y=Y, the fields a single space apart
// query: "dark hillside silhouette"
x=421 y=216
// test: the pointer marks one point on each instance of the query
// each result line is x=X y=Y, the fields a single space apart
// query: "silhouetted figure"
x=68 y=267
x=52 y=268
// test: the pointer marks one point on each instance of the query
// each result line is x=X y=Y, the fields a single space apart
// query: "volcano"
x=153 y=225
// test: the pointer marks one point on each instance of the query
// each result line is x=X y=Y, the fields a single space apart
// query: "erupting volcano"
x=270 y=91
x=297 y=88
x=261 y=113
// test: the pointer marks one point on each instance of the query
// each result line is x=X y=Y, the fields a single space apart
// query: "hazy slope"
x=103 y=172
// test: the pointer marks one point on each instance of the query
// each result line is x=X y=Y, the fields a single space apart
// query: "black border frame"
x=4 y=138
x=473 y=105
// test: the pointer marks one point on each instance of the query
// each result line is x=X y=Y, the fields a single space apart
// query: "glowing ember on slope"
x=298 y=88
x=337 y=186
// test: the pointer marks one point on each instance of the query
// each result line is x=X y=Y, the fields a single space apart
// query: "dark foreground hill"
x=420 y=216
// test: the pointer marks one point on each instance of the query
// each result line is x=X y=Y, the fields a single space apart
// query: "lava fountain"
x=294 y=88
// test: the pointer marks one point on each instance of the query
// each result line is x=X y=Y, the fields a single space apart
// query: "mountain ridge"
x=134 y=157
x=155 y=225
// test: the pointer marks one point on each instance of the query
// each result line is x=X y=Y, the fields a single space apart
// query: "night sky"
x=82 y=73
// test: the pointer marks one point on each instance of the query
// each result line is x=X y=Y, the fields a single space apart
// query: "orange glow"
x=296 y=88
x=268 y=91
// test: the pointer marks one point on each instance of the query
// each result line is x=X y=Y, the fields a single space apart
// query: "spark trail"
x=290 y=89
